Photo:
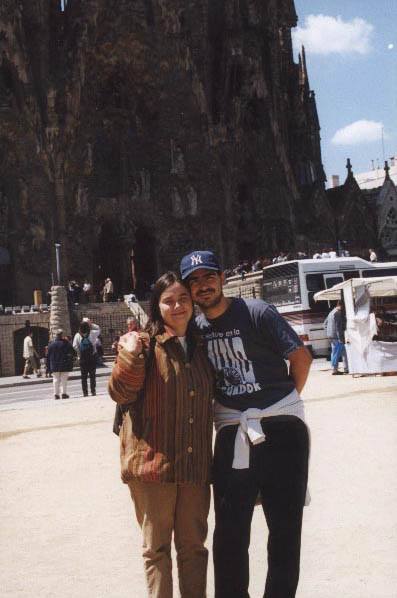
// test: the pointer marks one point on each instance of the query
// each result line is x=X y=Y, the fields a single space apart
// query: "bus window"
x=351 y=274
x=331 y=281
x=379 y=272
x=315 y=282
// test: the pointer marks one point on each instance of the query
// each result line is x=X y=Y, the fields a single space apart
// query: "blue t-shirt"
x=248 y=345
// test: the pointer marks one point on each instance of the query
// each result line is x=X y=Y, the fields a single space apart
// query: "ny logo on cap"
x=196 y=259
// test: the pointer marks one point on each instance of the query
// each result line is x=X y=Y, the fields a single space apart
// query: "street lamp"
x=57 y=248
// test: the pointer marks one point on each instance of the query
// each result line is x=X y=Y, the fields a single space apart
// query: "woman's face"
x=176 y=307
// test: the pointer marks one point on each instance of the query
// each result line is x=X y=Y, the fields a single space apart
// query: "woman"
x=166 y=384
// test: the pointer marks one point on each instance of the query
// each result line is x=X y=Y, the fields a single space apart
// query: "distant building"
x=366 y=212
x=375 y=177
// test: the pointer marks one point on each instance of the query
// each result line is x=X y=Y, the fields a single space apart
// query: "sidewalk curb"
x=47 y=380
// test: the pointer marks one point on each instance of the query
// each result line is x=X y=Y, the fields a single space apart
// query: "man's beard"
x=209 y=302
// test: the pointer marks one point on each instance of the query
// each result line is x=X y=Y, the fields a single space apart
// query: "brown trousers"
x=183 y=509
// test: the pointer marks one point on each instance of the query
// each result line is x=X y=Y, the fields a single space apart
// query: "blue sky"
x=351 y=55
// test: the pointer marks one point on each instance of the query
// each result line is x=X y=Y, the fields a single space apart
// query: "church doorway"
x=112 y=261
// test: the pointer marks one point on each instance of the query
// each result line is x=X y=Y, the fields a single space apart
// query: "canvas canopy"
x=381 y=286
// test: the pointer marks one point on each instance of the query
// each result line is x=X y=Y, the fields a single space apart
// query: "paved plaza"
x=67 y=523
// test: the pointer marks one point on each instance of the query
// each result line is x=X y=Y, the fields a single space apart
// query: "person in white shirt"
x=325 y=254
x=332 y=254
x=317 y=256
x=29 y=355
x=372 y=256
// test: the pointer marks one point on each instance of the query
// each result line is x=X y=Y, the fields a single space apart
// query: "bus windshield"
x=281 y=284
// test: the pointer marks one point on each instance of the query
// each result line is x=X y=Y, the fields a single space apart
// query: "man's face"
x=206 y=287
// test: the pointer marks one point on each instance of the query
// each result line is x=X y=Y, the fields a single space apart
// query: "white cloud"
x=322 y=34
x=361 y=131
x=390 y=46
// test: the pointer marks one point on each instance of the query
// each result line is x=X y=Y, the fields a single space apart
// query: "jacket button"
x=191 y=420
x=191 y=393
x=189 y=449
x=187 y=365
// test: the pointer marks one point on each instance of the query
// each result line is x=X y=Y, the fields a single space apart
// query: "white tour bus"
x=291 y=286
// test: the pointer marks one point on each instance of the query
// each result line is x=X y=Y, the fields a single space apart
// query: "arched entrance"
x=40 y=341
x=112 y=261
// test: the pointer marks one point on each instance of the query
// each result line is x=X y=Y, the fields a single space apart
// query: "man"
x=87 y=289
x=335 y=330
x=60 y=358
x=108 y=291
x=29 y=355
x=132 y=324
x=257 y=399
x=84 y=343
x=372 y=256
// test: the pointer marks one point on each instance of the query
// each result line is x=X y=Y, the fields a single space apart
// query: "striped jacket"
x=166 y=434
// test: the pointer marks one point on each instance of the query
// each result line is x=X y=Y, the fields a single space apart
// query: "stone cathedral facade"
x=152 y=128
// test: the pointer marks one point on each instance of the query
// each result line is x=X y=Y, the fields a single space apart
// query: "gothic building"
x=152 y=128
x=366 y=217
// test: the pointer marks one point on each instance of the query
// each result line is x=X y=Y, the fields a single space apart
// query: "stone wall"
x=111 y=317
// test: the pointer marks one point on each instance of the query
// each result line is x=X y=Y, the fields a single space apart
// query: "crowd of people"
x=85 y=293
x=247 y=266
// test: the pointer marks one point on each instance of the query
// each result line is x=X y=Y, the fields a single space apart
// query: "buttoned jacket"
x=166 y=435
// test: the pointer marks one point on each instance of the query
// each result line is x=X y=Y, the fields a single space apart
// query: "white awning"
x=381 y=286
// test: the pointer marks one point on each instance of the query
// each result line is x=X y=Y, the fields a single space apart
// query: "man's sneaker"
x=65 y=396
x=26 y=377
x=93 y=394
x=85 y=394
x=337 y=373
x=346 y=372
x=56 y=397
x=38 y=375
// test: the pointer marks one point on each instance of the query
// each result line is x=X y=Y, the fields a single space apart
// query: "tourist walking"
x=30 y=354
x=84 y=343
x=262 y=442
x=60 y=358
x=164 y=383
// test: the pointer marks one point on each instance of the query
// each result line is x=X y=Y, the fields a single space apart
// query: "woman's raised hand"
x=132 y=343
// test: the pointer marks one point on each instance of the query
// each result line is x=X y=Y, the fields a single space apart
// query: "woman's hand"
x=132 y=343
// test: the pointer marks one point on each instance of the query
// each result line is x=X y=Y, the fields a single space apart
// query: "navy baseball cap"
x=196 y=260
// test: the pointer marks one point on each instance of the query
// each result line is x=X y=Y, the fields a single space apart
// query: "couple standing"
x=165 y=384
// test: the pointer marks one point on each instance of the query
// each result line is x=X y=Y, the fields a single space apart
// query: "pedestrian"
x=29 y=355
x=87 y=290
x=334 y=326
x=372 y=256
x=325 y=254
x=317 y=255
x=332 y=254
x=108 y=291
x=132 y=324
x=262 y=442
x=165 y=384
x=60 y=356
x=84 y=343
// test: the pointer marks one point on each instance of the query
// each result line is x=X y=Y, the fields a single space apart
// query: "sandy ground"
x=67 y=523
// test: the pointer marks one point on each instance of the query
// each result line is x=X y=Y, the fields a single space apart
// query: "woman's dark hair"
x=84 y=328
x=156 y=323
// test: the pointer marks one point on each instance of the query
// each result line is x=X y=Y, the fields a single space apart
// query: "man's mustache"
x=204 y=291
